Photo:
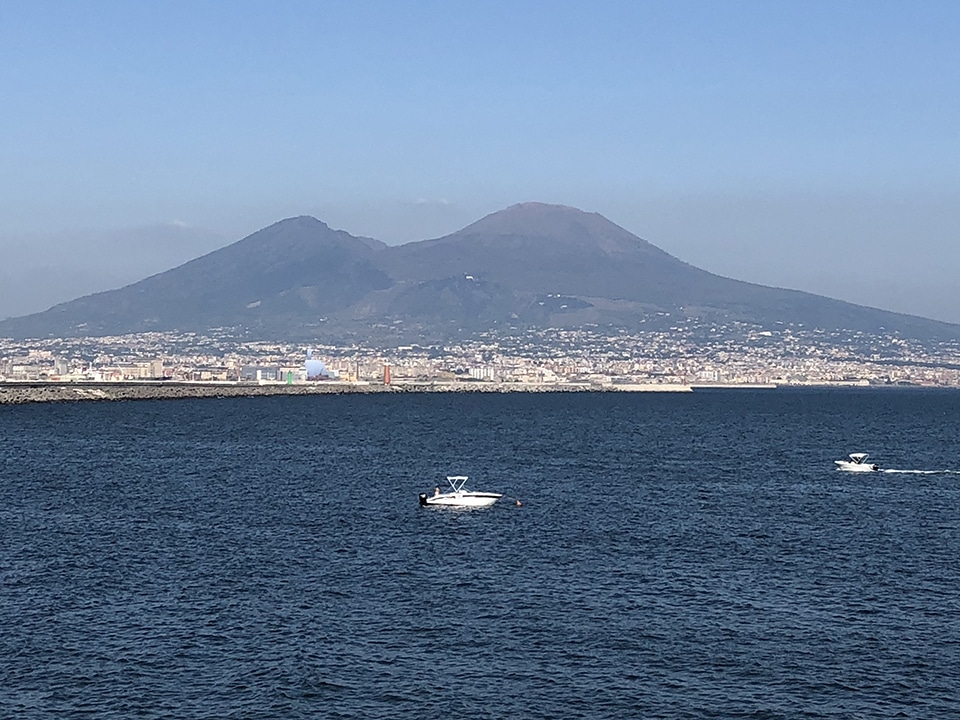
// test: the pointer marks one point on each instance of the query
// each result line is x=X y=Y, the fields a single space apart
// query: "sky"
x=805 y=144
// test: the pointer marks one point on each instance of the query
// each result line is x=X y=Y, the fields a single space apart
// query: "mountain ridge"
x=528 y=265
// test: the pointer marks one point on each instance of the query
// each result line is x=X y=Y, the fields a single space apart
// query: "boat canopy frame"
x=457 y=482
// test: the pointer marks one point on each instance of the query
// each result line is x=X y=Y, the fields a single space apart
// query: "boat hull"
x=463 y=499
x=855 y=467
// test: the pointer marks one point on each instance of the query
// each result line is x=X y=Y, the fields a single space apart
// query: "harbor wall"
x=13 y=393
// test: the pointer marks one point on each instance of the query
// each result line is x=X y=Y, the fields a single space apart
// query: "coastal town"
x=676 y=355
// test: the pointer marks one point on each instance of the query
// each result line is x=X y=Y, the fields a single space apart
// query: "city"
x=674 y=356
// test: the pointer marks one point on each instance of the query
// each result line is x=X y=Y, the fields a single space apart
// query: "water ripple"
x=692 y=556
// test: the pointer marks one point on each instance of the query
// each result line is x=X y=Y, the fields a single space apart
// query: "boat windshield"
x=858 y=457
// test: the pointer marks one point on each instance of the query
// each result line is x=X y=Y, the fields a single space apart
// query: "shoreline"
x=14 y=393
x=27 y=393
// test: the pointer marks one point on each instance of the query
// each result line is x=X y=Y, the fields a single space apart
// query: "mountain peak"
x=300 y=221
x=533 y=218
x=558 y=226
x=541 y=207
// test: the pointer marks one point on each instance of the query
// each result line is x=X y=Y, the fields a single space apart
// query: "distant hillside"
x=286 y=276
x=531 y=265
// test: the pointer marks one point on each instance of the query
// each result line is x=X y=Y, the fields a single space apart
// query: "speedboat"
x=458 y=495
x=857 y=463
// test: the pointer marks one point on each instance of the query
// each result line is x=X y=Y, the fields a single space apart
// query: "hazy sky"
x=811 y=145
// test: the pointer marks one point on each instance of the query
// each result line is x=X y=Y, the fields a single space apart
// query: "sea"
x=655 y=555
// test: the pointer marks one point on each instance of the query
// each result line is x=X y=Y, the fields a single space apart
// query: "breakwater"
x=12 y=393
x=43 y=392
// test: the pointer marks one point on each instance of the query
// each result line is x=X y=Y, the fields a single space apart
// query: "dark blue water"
x=676 y=556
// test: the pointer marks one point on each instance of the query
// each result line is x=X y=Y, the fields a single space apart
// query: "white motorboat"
x=458 y=495
x=857 y=463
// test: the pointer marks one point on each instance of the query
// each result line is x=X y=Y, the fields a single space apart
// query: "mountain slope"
x=555 y=249
x=528 y=265
x=602 y=274
x=288 y=274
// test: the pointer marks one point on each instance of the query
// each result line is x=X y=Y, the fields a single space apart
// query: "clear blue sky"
x=809 y=144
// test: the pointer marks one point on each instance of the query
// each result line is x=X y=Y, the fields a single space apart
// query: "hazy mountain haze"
x=39 y=271
x=532 y=265
x=807 y=145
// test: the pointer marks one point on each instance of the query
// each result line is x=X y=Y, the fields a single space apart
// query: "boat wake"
x=921 y=472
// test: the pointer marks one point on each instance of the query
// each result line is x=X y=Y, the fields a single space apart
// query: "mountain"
x=282 y=277
x=531 y=265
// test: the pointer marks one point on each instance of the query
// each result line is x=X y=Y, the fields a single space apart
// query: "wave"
x=921 y=472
